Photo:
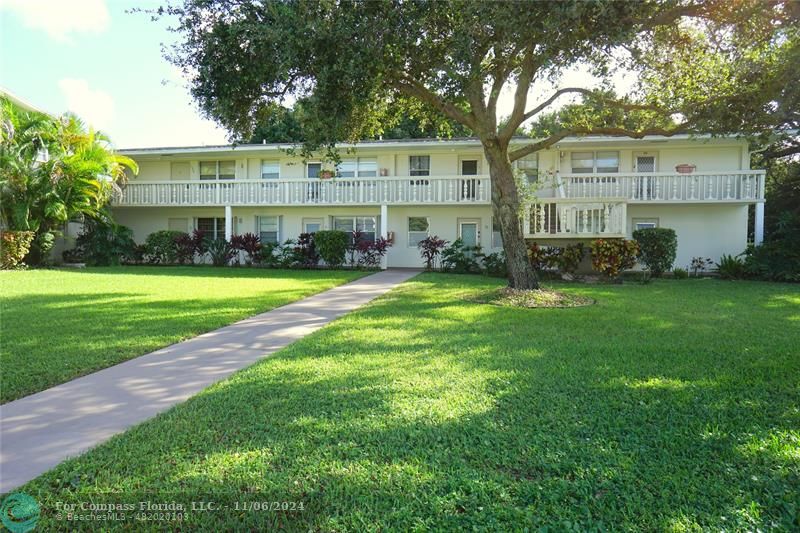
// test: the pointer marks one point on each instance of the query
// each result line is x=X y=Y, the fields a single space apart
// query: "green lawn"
x=671 y=406
x=60 y=324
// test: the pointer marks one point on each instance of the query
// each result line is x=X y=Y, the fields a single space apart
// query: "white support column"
x=384 y=230
x=228 y=223
x=758 y=236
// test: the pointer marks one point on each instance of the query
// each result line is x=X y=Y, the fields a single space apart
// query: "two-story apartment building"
x=585 y=188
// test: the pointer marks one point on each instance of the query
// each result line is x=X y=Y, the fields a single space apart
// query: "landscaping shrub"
x=268 y=257
x=14 y=246
x=773 y=261
x=658 y=248
x=160 y=246
x=184 y=249
x=39 y=248
x=250 y=244
x=221 y=252
x=700 y=264
x=200 y=241
x=305 y=251
x=370 y=253
x=104 y=243
x=680 y=273
x=332 y=246
x=496 y=265
x=430 y=249
x=778 y=259
x=543 y=257
x=570 y=257
x=460 y=258
x=730 y=267
x=611 y=256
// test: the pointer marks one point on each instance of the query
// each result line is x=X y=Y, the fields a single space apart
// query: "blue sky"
x=106 y=65
x=94 y=59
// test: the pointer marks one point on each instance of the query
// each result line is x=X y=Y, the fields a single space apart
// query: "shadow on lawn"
x=581 y=422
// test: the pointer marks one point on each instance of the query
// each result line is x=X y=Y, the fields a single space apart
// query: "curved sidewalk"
x=40 y=431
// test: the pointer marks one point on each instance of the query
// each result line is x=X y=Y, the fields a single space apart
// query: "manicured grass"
x=670 y=406
x=60 y=324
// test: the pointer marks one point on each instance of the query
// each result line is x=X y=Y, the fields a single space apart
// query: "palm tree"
x=53 y=170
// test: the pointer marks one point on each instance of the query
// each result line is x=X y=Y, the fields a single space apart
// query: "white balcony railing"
x=732 y=186
x=570 y=219
x=337 y=191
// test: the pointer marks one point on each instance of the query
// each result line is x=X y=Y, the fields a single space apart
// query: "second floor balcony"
x=745 y=186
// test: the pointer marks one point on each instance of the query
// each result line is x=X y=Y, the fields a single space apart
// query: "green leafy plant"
x=495 y=265
x=658 y=248
x=104 y=243
x=570 y=257
x=14 y=246
x=332 y=246
x=161 y=248
x=53 y=170
x=461 y=259
x=611 y=256
x=730 y=267
x=543 y=257
x=430 y=248
x=221 y=252
x=778 y=259
x=680 y=273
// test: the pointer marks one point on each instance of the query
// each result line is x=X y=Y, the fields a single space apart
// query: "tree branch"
x=520 y=97
x=416 y=89
x=614 y=132
x=611 y=102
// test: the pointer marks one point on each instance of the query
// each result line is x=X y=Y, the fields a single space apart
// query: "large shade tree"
x=697 y=65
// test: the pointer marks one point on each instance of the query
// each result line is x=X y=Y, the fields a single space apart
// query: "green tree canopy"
x=53 y=170
x=699 y=65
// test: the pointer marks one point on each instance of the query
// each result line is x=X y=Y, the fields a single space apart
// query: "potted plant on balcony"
x=685 y=168
x=326 y=174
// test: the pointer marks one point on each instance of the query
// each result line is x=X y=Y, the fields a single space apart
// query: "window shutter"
x=280 y=228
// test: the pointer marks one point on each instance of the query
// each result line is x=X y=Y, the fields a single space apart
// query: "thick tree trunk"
x=506 y=208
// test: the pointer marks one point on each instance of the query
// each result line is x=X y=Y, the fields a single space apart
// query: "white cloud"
x=94 y=106
x=61 y=18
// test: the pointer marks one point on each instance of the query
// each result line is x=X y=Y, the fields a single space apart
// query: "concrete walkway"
x=40 y=431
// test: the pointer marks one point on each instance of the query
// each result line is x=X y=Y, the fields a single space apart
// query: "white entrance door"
x=645 y=163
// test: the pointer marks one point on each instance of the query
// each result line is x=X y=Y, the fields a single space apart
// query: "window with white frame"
x=217 y=170
x=270 y=169
x=601 y=162
x=529 y=166
x=418 y=230
x=361 y=167
x=419 y=165
x=269 y=229
x=312 y=225
x=365 y=225
x=497 y=238
x=214 y=228
x=644 y=223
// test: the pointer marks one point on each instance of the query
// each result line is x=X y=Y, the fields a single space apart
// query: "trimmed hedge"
x=658 y=248
x=14 y=246
x=332 y=246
